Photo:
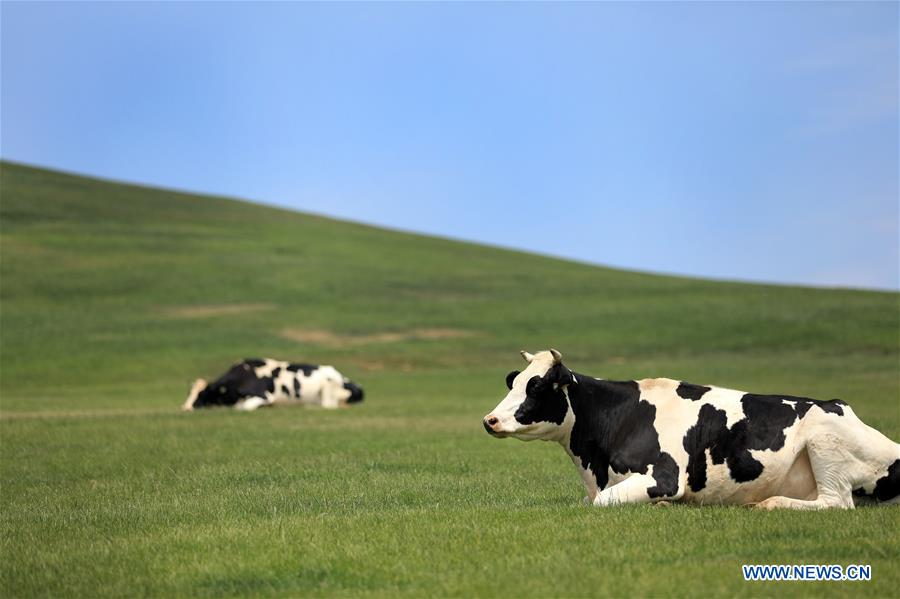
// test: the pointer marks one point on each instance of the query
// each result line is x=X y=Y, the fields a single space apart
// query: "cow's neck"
x=598 y=409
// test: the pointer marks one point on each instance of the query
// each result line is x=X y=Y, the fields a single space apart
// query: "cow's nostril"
x=489 y=423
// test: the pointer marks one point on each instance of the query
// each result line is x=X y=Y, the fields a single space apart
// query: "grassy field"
x=115 y=297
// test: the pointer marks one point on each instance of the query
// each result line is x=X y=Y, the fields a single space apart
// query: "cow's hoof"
x=663 y=503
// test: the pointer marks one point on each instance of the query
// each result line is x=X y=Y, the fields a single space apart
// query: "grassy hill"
x=114 y=297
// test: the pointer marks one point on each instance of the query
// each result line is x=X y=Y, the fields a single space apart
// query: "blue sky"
x=753 y=141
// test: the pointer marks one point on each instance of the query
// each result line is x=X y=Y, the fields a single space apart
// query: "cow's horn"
x=528 y=357
x=557 y=357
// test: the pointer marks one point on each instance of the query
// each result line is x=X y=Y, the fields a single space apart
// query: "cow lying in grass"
x=255 y=383
x=658 y=439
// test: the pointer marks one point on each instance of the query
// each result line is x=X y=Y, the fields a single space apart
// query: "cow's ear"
x=510 y=377
x=561 y=375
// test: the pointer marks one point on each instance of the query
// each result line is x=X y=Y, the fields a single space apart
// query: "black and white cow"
x=659 y=439
x=254 y=383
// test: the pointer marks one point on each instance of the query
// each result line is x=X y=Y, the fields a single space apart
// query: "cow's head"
x=197 y=398
x=536 y=406
x=343 y=390
x=223 y=392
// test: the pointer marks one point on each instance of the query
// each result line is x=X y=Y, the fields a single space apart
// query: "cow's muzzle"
x=492 y=425
x=356 y=393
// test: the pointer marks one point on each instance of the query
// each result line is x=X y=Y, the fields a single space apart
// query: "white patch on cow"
x=727 y=400
x=265 y=371
x=333 y=393
x=250 y=404
x=799 y=481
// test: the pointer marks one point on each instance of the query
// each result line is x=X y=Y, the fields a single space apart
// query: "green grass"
x=109 y=309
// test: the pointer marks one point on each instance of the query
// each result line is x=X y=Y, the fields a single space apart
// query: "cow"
x=662 y=440
x=254 y=383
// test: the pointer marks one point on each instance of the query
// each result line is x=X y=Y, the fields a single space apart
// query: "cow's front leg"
x=251 y=403
x=634 y=489
x=329 y=401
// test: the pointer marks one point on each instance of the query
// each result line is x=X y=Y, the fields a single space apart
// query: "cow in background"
x=254 y=383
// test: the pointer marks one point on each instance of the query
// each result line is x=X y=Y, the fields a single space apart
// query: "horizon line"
x=274 y=204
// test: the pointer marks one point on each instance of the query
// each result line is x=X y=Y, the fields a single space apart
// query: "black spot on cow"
x=510 y=377
x=254 y=362
x=307 y=369
x=705 y=434
x=742 y=466
x=665 y=473
x=269 y=381
x=285 y=390
x=691 y=391
x=296 y=387
x=766 y=417
x=614 y=429
x=888 y=486
x=803 y=404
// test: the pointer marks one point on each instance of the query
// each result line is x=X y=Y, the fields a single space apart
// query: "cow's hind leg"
x=834 y=468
